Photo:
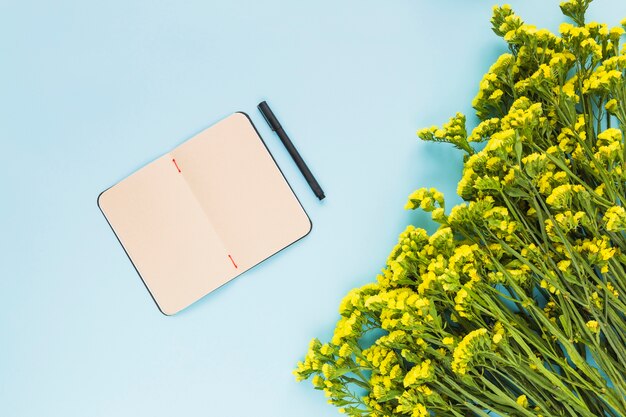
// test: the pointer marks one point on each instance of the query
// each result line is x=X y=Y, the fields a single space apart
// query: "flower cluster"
x=514 y=305
x=453 y=132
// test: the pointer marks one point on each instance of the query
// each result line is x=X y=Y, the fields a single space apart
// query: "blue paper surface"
x=91 y=91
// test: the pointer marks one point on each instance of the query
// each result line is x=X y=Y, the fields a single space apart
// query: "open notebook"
x=207 y=211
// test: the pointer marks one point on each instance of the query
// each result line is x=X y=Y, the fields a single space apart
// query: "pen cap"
x=269 y=116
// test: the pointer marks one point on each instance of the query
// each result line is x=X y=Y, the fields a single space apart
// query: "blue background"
x=91 y=91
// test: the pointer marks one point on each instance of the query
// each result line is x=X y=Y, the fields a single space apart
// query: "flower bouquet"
x=516 y=305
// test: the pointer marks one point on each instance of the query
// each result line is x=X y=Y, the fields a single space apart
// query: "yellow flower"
x=464 y=352
x=611 y=106
x=327 y=370
x=522 y=400
x=564 y=265
x=345 y=350
x=553 y=290
x=420 y=411
x=454 y=132
x=424 y=389
x=420 y=373
x=561 y=196
x=395 y=372
x=607 y=253
x=318 y=381
x=496 y=95
x=484 y=130
x=616 y=33
x=593 y=325
x=564 y=28
x=425 y=199
x=615 y=219
x=609 y=136
x=461 y=301
x=612 y=289
x=345 y=328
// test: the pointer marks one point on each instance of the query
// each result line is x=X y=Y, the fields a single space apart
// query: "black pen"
x=276 y=127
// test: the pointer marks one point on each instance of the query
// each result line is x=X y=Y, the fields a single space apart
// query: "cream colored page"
x=167 y=235
x=241 y=189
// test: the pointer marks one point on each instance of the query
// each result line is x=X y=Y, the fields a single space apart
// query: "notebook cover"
x=204 y=213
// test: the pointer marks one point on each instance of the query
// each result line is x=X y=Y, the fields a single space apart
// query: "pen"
x=271 y=120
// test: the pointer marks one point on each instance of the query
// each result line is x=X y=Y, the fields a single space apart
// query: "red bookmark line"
x=174 y=161
x=231 y=259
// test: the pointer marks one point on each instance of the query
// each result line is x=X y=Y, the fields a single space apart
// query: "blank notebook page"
x=203 y=213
